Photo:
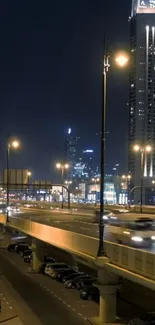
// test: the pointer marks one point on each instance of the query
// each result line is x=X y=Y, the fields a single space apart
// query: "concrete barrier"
x=134 y=260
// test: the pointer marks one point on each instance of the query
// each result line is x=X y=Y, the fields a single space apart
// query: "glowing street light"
x=12 y=144
x=142 y=150
x=95 y=181
x=62 y=167
x=122 y=60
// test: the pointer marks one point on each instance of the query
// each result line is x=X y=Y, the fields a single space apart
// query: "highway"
x=73 y=222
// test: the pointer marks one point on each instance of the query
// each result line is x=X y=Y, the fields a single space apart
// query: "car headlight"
x=1 y=211
x=137 y=239
x=105 y=217
x=153 y=237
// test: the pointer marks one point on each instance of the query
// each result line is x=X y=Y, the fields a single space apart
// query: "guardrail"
x=134 y=260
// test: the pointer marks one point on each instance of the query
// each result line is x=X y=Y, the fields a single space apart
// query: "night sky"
x=50 y=79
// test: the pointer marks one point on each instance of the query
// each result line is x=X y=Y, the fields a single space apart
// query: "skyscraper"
x=142 y=88
x=72 y=147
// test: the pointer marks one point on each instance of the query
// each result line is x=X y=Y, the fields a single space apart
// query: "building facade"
x=71 y=148
x=142 y=91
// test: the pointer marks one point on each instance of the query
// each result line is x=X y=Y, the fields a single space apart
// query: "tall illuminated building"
x=142 y=89
x=72 y=149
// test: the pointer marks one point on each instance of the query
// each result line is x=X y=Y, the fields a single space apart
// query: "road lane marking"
x=85 y=228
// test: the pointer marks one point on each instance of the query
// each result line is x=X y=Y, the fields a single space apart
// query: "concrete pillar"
x=107 y=284
x=38 y=248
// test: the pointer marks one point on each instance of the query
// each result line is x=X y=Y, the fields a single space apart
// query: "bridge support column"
x=38 y=248
x=108 y=284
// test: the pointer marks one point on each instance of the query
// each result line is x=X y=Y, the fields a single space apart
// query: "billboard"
x=18 y=178
x=42 y=184
x=146 y=7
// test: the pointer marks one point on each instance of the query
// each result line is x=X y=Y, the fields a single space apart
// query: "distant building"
x=142 y=90
x=71 y=148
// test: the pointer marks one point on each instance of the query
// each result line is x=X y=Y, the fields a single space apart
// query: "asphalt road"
x=47 y=308
x=73 y=222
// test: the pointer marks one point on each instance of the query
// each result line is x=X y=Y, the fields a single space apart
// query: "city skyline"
x=40 y=96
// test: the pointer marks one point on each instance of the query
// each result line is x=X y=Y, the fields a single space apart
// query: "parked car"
x=27 y=252
x=90 y=293
x=62 y=273
x=28 y=258
x=11 y=247
x=51 y=267
x=85 y=282
x=21 y=248
x=48 y=259
x=71 y=276
x=148 y=319
x=71 y=284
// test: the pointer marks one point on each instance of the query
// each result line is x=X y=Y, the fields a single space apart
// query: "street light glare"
x=29 y=173
x=136 y=147
x=58 y=165
x=122 y=59
x=123 y=176
x=15 y=144
x=148 y=148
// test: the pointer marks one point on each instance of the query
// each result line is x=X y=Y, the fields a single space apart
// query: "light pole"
x=62 y=167
x=12 y=144
x=95 y=181
x=121 y=59
x=127 y=179
x=142 y=151
x=29 y=173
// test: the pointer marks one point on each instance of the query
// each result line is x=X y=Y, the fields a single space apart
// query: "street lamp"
x=121 y=59
x=62 y=167
x=68 y=182
x=127 y=179
x=11 y=145
x=95 y=181
x=142 y=151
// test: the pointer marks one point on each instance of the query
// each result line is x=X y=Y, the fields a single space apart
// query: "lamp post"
x=95 y=181
x=12 y=144
x=62 y=167
x=127 y=179
x=142 y=151
x=121 y=59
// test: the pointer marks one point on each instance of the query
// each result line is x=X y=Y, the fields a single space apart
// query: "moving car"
x=85 y=282
x=107 y=216
x=90 y=293
x=21 y=248
x=148 y=319
x=71 y=284
x=138 y=232
x=63 y=273
x=50 y=268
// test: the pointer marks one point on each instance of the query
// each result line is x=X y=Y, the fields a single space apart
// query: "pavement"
x=48 y=303
x=49 y=300
x=14 y=309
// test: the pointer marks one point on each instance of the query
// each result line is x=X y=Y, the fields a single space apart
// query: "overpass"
x=121 y=261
